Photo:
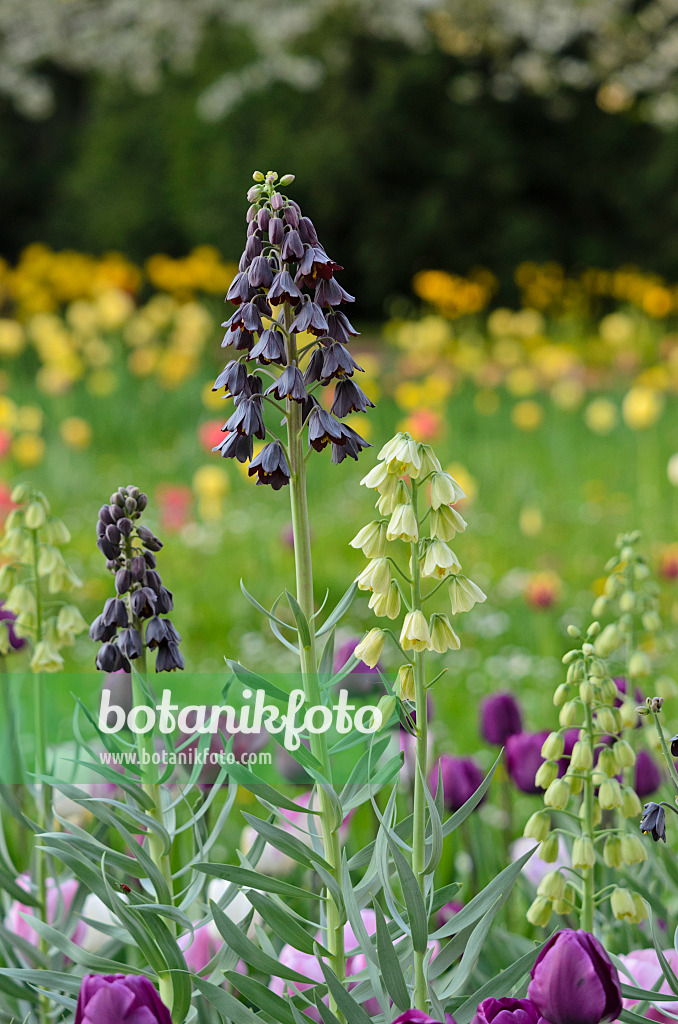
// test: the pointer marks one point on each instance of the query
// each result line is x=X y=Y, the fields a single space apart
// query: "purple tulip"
x=523 y=759
x=508 y=1011
x=447 y=911
x=461 y=777
x=500 y=718
x=419 y=1017
x=15 y=642
x=648 y=775
x=119 y=999
x=574 y=980
x=59 y=897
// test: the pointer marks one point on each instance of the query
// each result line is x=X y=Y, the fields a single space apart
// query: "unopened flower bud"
x=561 y=694
x=621 y=902
x=587 y=650
x=553 y=746
x=608 y=691
x=386 y=707
x=583 y=854
x=582 y=758
x=575 y=782
x=576 y=672
x=599 y=606
x=586 y=691
x=552 y=886
x=35 y=516
x=612 y=853
x=631 y=806
x=651 y=621
x=633 y=850
x=627 y=601
x=608 y=719
x=607 y=763
x=566 y=904
x=610 y=795
x=538 y=826
x=548 y=851
x=547 y=772
x=640 y=908
x=628 y=714
x=557 y=795
x=123 y=581
x=569 y=714
x=539 y=913
x=624 y=755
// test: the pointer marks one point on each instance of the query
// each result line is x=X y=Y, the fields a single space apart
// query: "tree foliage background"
x=446 y=134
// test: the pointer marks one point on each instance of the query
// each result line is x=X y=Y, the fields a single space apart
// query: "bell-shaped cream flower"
x=376 y=576
x=464 y=593
x=401 y=454
x=445 y=490
x=429 y=460
x=387 y=604
x=46 y=658
x=370 y=647
x=443 y=637
x=371 y=540
x=446 y=522
x=405 y=682
x=415 y=636
x=378 y=477
x=439 y=561
x=396 y=494
x=403 y=524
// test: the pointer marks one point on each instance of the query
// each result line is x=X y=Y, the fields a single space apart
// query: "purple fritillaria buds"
x=500 y=718
x=286 y=287
x=119 y=999
x=574 y=981
x=139 y=588
x=648 y=777
x=508 y=1011
x=461 y=777
x=523 y=759
x=270 y=466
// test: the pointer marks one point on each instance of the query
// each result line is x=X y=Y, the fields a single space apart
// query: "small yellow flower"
x=601 y=416
x=403 y=524
x=642 y=407
x=370 y=647
x=443 y=637
x=415 y=635
x=527 y=415
x=401 y=455
x=76 y=432
x=28 y=449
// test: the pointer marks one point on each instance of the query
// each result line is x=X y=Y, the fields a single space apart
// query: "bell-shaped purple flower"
x=461 y=777
x=574 y=980
x=348 y=398
x=119 y=999
x=271 y=466
x=508 y=1011
x=500 y=718
x=523 y=759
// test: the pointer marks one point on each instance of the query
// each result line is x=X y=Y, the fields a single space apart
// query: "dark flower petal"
x=270 y=466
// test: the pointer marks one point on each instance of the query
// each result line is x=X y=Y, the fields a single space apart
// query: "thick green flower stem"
x=588 y=889
x=329 y=827
x=43 y=794
x=152 y=789
x=665 y=750
x=419 y=820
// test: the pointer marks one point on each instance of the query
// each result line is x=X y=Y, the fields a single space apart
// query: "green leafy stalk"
x=419 y=821
x=308 y=656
